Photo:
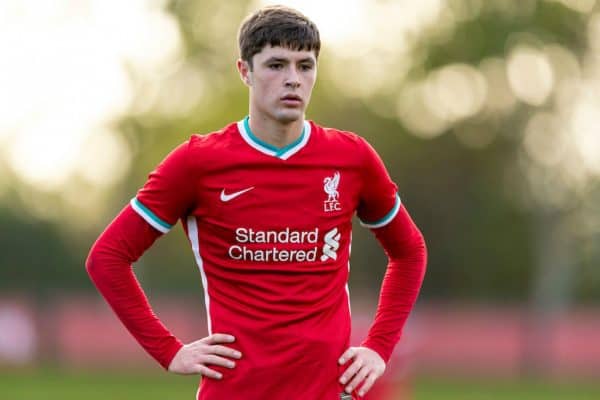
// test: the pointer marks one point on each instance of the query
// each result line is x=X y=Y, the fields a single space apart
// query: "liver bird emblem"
x=330 y=186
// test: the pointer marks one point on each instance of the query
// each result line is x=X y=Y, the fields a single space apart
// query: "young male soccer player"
x=267 y=204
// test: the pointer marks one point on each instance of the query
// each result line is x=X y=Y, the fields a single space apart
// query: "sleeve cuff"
x=170 y=354
x=149 y=216
x=386 y=219
x=385 y=354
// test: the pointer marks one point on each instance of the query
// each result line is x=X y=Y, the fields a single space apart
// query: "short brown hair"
x=277 y=26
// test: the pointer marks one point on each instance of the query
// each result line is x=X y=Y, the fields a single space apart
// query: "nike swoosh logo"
x=227 y=197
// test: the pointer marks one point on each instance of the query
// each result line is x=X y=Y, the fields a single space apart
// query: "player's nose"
x=292 y=78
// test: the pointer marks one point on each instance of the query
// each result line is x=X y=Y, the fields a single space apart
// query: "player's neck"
x=274 y=132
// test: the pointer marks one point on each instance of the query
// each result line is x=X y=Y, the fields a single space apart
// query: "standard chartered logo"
x=331 y=246
x=286 y=245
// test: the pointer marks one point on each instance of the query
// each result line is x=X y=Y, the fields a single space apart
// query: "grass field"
x=51 y=384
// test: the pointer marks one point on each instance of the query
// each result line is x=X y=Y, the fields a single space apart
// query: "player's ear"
x=245 y=71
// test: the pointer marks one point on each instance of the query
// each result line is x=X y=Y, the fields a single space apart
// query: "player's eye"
x=276 y=66
x=306 y=67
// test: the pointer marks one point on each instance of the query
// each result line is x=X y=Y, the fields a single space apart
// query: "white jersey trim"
x=192 y=226
x=387 y=218
x=149 y=216
x=347 y=287
x=283 y=153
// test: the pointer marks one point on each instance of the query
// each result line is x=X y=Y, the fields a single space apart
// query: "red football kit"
x=270 y=230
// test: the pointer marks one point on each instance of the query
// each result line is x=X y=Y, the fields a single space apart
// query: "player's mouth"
x=291 y=100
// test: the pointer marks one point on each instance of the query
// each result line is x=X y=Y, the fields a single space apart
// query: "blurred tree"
x=466 y=111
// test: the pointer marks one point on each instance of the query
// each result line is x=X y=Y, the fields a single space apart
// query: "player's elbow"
x=420 y=250
x=92 y=263
x=420 y=245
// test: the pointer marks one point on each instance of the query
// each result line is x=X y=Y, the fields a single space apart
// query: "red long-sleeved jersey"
x=270 y=230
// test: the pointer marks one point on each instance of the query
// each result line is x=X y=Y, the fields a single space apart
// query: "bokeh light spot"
x=530 y=75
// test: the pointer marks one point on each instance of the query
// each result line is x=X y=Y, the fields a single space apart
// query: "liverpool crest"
x=330 y=186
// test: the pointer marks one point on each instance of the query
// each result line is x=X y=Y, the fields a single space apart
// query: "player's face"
x=281 y=82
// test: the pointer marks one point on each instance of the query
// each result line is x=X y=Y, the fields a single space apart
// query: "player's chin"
x=287 y=116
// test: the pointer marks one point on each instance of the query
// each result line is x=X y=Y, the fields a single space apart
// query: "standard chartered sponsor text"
x=287 y=235
x=243 y=236
x=272 y=255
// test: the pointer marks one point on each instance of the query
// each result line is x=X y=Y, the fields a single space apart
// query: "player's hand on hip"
x=195 y=357
x=366 y=367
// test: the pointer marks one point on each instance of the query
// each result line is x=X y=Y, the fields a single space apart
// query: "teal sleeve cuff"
x=386 y=219
x=149 y=216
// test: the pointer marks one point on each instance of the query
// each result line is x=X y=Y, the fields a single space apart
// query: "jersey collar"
x=284 y=152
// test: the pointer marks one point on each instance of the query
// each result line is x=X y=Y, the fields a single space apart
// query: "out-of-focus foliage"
x=473 y=116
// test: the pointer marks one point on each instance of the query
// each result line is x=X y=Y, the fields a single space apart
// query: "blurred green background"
x=486 y=114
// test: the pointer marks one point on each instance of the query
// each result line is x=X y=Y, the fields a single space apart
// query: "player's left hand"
x=366 y=367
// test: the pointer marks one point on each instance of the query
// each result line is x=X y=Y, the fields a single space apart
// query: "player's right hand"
x=194 y=358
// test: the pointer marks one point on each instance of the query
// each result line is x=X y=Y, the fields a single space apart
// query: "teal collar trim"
x=266 y=148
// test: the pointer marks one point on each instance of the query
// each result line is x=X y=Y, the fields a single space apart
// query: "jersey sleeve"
x=167 y=195
x=405 y=248
x=109 y=265
x=379 y=200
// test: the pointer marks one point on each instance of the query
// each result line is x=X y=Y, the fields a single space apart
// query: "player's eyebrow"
x=307 y=60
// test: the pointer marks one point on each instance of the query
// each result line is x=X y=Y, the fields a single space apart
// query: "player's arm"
x=407 y=257
x=382 y=211
x=405 y=248
x=109 y=265
x=129 y=235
